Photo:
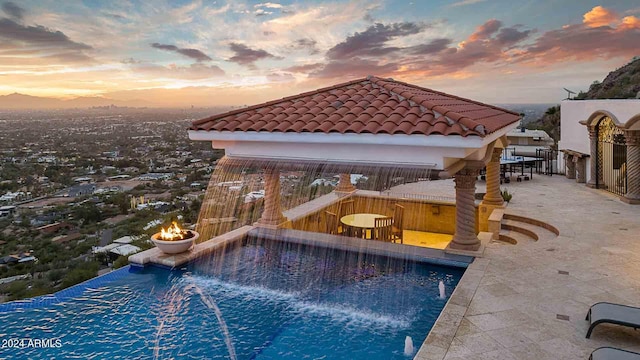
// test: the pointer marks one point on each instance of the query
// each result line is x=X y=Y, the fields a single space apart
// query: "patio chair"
x=610 y=353
x=383 y=229
x=606 y=312
x=331 y=223
x=398 y=221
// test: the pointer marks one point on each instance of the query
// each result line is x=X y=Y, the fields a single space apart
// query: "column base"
x=592 y=185
x=484 y=211
x=476 y=250
x=632 y=200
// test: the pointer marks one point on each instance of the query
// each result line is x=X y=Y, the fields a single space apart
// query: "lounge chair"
x=605 y=312
x=609 y=353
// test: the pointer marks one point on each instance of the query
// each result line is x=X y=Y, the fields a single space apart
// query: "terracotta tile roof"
x=371 y=105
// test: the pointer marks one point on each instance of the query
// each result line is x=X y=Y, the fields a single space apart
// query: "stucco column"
x=633 y=167
x=570 y=171
x=344 y=185
x=593 y=158
x=493 y=195
x=465 y=237
x=272 y=213
x=580 y=167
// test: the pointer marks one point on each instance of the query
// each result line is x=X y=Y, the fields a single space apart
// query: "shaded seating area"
x=611 y=353
x=610 y=313
x=365 y=225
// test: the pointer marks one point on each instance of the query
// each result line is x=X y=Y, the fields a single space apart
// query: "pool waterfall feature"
x=302 y=184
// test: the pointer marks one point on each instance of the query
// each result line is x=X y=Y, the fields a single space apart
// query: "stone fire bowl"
x=174 y=246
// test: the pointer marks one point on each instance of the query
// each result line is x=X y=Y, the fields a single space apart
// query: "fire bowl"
x=174 y=246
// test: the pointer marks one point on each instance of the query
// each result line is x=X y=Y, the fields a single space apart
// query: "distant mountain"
x=623 y=83
x=17 y=101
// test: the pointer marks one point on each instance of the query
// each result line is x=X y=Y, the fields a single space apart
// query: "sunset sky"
x=179 y=53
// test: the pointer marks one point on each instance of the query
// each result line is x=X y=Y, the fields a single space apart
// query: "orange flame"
x=173 y=232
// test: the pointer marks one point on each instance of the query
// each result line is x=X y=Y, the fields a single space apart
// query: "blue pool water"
x=263 y=300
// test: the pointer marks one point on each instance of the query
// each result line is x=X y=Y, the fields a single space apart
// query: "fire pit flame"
x=174 y=232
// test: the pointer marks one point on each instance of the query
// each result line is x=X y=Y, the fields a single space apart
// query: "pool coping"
x=441 y=335
x=64 y=294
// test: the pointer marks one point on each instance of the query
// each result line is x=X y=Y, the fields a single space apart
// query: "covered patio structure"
x=369 y=126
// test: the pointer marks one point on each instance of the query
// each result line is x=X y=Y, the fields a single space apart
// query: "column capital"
x=593 y=131
x=466 y=178
x=632 y=137
x=345 y=185
x=496 y=154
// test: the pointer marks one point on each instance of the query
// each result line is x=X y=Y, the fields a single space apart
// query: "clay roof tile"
x=373 y=105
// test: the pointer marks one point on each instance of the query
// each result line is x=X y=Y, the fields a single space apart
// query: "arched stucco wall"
x=633 y=123
x=575 y=114
x=598 y=115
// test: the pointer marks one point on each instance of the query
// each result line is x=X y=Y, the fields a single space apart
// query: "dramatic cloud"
x=38 y=44
x=247 y=56
x=13 y=10
x=601 y=35
x=262 y=12
x=276 y=77
x=511 y=35
x=304 y=68
x=37 y=36
x=355 y=67
x=629 y=22
x=268 y=5
x=486 y=30
x=466 y=2
x=372 y=42
x=305 y=44
x=196 y=71
x=599 y=16
x=432 y=47
x=191 y=53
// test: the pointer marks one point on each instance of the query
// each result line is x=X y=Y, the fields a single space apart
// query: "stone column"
x=493 y=196
x=593 y=147
x=465 y=237
x=570 y=171
x=580 y=167
x=633 y=167
x=344 y=185
x=272 y=213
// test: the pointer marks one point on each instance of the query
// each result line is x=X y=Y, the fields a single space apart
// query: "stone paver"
x=531 y=298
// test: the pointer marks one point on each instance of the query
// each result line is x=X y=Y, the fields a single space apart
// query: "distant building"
x=78 y=190
x=155 y=176
x=253 y=196
x=11 y=197
x=526 y=142
x=6 y=211
x=83 y=179
x=22 y=257
x=53 y=228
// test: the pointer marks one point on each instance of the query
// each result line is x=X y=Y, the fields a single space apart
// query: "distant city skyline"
x=182 y=53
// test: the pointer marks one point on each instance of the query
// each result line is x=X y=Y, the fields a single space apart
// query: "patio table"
x=361 y=223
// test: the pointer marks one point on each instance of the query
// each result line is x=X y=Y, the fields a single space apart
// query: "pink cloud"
x=599 y=16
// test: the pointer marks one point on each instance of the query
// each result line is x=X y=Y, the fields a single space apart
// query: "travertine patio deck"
x=529 y=301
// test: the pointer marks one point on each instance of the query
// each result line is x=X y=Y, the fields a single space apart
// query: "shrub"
x=506 y=196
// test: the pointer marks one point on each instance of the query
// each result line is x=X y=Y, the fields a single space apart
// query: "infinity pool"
x=262 y=300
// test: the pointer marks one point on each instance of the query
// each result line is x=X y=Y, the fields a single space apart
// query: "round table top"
x=366 y=221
